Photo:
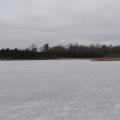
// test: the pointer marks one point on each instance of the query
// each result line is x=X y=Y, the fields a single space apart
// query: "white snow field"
x=59 y=90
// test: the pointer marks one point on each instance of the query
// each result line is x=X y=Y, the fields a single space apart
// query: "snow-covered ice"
x=59 y=90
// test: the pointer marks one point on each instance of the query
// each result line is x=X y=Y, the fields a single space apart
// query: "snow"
x=59 y=90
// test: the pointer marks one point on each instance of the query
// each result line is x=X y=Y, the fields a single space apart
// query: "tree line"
x=61 y=51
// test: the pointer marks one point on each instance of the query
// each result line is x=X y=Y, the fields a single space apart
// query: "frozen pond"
x=59 y=90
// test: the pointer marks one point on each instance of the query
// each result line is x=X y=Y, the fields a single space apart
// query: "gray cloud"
x=23 y=22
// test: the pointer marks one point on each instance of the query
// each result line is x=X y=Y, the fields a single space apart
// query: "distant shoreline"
x=91 y=59
x=60 y=52
x=107 y=59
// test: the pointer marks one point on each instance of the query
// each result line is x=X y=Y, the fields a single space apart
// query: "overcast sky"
x=23 y=22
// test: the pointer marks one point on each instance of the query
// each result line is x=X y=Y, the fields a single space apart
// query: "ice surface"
x=59 y=90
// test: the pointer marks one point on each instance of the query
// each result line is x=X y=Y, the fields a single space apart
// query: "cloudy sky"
x=23 y=22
